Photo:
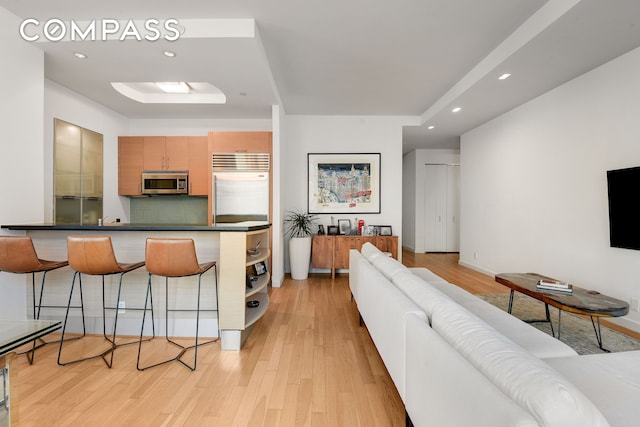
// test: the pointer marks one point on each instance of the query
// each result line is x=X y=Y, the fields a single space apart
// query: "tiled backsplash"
x=169 y=210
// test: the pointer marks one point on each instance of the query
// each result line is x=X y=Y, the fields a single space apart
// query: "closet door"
x=441 y=208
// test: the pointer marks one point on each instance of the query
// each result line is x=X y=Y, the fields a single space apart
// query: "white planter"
x=300 y=257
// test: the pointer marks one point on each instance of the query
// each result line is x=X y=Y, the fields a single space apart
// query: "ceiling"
x=411 y=58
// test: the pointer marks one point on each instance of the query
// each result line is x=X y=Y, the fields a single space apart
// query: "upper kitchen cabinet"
x=78 y=175
x=240 y=142
x=199 y=173
x=160 y=153
x=166 y=153
x=130 y=165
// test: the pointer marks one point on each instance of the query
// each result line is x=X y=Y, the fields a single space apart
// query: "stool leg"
x=66 y=316
x=144 y=315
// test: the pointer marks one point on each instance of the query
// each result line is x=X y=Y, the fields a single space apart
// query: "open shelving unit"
x=236 y=318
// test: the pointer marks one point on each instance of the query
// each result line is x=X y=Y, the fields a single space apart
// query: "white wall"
x=344 y=134
x=533 y=183
x=21 y=154
x=414 y=178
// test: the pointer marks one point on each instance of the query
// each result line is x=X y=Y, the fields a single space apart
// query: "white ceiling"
x=413 y=58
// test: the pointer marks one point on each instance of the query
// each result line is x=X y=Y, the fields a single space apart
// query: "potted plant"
x=298 y=230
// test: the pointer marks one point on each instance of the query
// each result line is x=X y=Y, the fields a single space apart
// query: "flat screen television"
x=624 y=211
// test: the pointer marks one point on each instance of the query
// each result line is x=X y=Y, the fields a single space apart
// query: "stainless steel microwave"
x=165 y=182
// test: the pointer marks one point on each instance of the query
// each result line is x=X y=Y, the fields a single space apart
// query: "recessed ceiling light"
x=431 y=127
x=505 y=76
x=80 y=55
x=455 y=110
x=174 y=87
x=169 y=54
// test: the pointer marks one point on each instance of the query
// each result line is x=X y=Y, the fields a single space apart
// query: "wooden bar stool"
x=93 y=255
x=18 y=255
x=175 y=257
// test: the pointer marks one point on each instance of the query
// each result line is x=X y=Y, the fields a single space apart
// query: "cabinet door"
x=322 y=252
x=130 y=165
x=342 y=246
x=154 y=152
x=240 y=142
x=177 y=153
x=388 y=244
x=199 y=160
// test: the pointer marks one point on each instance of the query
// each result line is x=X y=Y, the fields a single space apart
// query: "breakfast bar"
x=227 y=244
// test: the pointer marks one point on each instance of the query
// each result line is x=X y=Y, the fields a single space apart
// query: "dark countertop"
x=240 y=227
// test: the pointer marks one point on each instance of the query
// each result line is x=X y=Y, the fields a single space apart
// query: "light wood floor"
x=306 y=363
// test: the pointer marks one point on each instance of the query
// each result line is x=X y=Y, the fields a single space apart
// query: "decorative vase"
x=300 y=257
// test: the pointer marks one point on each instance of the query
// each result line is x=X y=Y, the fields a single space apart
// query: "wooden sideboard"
x=332 y=252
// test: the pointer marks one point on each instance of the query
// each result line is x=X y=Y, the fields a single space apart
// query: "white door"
x=441 y=208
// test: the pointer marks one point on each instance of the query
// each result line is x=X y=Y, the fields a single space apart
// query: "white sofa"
x=459 y=361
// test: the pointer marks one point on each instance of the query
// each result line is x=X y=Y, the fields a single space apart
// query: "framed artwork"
x=343 y=183
x=385 y=230
x=259 y=268
x=332 y=230
x=344 y=225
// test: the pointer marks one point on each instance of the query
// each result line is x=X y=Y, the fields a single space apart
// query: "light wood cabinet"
x=166 y=153
x=130 y=165
x=322 y=252
x=199 y=159
x=240 y=142
x=139 y=153
x=332 y=252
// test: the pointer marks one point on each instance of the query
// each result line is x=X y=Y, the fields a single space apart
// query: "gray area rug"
x=576 y=331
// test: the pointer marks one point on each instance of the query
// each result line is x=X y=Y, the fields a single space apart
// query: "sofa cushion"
x=610 y=381
x=444 y=389
x=534 y=385
x=387 y=266
x=371 y=252
x=420 y=292
x=427 y=275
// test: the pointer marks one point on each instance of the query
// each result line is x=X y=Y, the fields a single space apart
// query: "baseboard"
x=477 y=268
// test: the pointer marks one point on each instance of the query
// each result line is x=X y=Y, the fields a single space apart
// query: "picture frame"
x=343 y=183
x=321 y=229
x=384 y=230
x=332 y=230
x=344 y=226
x=259 y=268
x=368 y=230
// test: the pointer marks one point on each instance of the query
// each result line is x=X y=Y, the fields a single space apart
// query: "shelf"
x=262 y=255
x=253 y=314
x=259 y=284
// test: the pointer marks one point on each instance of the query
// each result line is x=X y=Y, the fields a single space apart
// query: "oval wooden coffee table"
x=581 y=301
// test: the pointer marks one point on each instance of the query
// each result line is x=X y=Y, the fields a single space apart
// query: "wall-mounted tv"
x=624 y=210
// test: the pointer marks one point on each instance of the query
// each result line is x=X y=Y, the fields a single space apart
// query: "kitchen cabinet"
x=166 y=153
x=139 y=153
x=78 y=174
x=332 y=252
x=130 y=165
x=199 y=159
x=240 y=142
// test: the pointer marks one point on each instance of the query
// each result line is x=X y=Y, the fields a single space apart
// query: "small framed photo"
x=385 y=230
x=259 y=268
x=368 y=230
x=320 y=229
x=332 y=230
x=344 y=225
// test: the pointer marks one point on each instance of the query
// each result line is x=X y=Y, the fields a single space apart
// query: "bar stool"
x=175 y=257
x=93 y=255
x=18 y=255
